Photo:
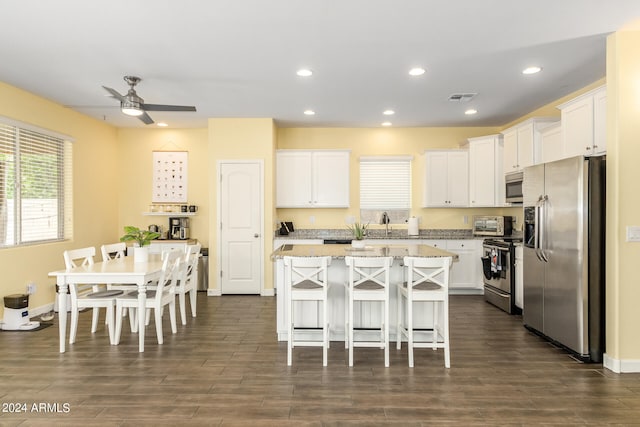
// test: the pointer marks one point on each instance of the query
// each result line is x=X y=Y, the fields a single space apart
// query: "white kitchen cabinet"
x=519 y=288
x=160 y=246
x=522 y=143
x=466 y=273
x=312 y=179
x=551 y=143
x=584 y=124
x=447 y=179
x=486 y=180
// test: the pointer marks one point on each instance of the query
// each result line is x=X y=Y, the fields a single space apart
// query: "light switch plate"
x=633 y=233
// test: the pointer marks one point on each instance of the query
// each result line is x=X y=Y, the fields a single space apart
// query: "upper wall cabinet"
x=522 y=146
x=551 y=143
x=446 y=180
x=486 y=179
x=312 y=179
x=584 y=124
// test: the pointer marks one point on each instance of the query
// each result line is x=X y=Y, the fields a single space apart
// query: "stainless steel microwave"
x=492 y=225
x=513 y=187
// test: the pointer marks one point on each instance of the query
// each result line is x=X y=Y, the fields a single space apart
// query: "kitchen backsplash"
x=377 y=234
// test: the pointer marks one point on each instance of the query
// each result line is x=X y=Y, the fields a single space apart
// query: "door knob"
x=256 y=235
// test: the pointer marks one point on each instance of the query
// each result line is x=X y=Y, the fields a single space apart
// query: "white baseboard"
x=214 y=293
x=621 y=366
x=37 y=311
x=268 y=292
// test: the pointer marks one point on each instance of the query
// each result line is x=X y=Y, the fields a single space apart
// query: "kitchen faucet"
x=384 y=219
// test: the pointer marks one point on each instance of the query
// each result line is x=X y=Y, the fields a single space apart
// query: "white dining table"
x=116 y=272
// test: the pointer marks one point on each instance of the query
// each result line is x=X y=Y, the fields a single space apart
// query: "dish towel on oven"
x=496 y=265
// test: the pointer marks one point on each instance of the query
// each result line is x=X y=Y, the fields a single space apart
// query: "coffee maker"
x=179 y=228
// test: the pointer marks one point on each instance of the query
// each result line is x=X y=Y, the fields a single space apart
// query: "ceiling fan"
x=131 y=104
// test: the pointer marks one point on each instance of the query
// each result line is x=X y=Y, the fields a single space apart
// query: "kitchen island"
x=308 y=313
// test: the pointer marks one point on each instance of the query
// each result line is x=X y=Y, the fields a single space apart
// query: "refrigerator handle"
x=543 y=231
x=536 y=232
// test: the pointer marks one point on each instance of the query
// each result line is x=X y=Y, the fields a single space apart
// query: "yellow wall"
x=95 y=203
x=233 y=139
x=623 y=203
x=383 y=142
x=135 y=152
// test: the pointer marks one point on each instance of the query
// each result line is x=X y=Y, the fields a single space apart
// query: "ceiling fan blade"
x=146 y=119
x=159 y=107
x=114 y=93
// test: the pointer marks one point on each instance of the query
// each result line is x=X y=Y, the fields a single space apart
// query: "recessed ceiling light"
x=304 y=72
x=470 y=112
x=386 y=123
x=532 y=70
x=309 y=112
x=388 y=112
x=416 y=71
x=162 y=124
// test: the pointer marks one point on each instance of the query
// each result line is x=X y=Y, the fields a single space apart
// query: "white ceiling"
x=238 y=58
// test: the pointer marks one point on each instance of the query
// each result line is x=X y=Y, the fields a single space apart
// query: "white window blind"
x=385 y=184
x=35 y=186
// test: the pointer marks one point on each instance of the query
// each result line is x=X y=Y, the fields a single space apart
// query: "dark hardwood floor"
x=226 y=368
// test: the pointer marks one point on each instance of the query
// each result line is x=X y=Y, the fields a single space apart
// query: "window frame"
x=20 y=141
x=372 y=213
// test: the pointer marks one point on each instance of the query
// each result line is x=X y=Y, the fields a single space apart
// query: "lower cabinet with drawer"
x=466 y=273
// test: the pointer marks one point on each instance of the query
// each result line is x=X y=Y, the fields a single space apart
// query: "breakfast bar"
x=367 y=316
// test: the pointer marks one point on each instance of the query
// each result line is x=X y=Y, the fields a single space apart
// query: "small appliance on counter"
x=490 y=225
x=286 y=227
x=179 y=228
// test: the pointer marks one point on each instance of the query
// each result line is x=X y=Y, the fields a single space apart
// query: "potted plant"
x=359 y=231
x=142 y=238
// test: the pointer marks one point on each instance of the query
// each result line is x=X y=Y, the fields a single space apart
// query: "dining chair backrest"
x=427 y=274
x=167 y=280
x=192 y=253
x=113 y=251
x=79 y=257
x=306 y=272
x=369 y=273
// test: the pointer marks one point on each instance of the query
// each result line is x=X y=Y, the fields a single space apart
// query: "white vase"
x=357 y=244
x=141 y=254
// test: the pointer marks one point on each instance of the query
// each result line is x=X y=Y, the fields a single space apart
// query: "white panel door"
x=241 y=241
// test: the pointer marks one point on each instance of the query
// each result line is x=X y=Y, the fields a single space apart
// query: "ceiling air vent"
x=462 y=97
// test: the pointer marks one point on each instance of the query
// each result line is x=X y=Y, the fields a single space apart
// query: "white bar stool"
x=368 y=281
x=306 y=280
x=427 y=281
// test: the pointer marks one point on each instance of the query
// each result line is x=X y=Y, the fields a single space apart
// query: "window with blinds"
x=35 y=186
x=385 y=186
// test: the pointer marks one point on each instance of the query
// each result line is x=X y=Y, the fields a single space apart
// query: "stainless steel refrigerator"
x=564 y=253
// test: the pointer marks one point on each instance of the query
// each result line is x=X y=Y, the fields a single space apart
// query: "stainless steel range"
x=498 y=266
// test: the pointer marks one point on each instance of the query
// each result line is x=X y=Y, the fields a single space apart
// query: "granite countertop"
x=340 y=251
x=450 y=234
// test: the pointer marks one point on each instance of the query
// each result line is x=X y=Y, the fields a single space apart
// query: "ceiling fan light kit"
x=132 y=105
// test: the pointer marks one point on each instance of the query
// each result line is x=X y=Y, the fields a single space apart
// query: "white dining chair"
x=368 y=281
x=86 y=296
x=306 y=280
x=190 y=282
x=427 y=281
x=116 y=251
x=164 y=294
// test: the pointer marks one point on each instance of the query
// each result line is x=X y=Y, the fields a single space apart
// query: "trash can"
x=203 y=270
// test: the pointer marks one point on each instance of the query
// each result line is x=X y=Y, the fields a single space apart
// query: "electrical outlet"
x=633 y=233
x=31 y=288
x=312 y=219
